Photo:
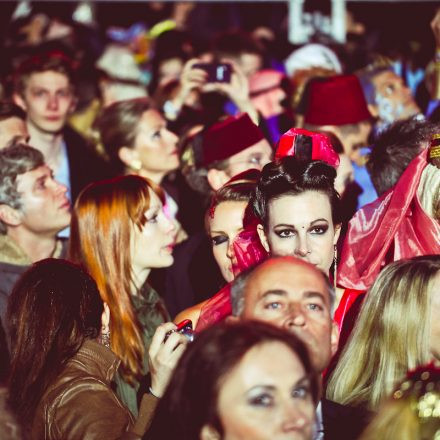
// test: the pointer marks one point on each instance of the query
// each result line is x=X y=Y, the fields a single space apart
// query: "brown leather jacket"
x=80 y=404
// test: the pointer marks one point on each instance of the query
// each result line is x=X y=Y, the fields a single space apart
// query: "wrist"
x=154 y=392
x=250 y=110
x=245 y=106
x=242 y=102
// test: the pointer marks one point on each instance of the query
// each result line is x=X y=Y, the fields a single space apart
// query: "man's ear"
x=73 y=105
x=216 y=178
x=263 y=238
x=209 y=433
x=10 y=216
x=231 y=319
x=18 y=100
x=334 y=338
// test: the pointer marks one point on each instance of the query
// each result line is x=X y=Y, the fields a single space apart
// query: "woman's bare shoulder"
x=192 y=313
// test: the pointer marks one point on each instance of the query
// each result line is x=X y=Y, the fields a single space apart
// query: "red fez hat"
x=307 y=145
x=228 y=137
x=338 y=100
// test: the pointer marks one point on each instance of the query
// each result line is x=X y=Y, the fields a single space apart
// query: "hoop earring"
x=335 y=264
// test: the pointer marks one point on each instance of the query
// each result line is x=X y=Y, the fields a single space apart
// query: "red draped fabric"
x=391 y=228
x=248 y=251
x=216 y=309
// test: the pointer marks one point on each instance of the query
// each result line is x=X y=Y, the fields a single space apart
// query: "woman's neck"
x=156 y=177
x=139 y=278
x=50 y=144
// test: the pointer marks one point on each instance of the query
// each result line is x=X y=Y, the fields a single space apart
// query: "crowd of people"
x=208 y=233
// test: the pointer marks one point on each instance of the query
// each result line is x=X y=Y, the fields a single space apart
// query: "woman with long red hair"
x=119 y=232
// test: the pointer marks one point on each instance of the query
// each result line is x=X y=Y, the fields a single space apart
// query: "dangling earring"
x=136 y=165
x=105 y=336
x=335 y=264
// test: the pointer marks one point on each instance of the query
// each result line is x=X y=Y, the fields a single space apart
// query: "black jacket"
x=343 y=422
x=85 y=166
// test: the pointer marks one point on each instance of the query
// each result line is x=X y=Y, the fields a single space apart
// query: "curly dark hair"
x=290 y=176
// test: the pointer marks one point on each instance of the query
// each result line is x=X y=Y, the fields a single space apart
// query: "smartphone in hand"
x=185 y=328
x=217 y=72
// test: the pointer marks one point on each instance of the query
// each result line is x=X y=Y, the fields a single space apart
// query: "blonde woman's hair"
x=412 y=412
x=397 y=421
x=391 y=335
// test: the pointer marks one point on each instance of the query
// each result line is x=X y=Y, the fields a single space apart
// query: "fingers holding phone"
x=193 y=76
x=191 y=80
x=237 y=89
x=163 y=355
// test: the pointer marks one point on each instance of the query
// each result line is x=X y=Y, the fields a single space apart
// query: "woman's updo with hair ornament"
x=290 y=176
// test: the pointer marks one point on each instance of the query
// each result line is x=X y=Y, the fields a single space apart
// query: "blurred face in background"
x=250 y=63
x=155 y=146
x=170 y=69
x=256 y=156
x=354 y=140
x=393 y=98
x=48 y=100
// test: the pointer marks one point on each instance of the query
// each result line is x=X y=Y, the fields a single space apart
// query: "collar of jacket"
x=102 y=357
x=12 y=253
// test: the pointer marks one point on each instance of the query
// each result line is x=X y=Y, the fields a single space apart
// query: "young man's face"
x=48 y=100
x=45 y=208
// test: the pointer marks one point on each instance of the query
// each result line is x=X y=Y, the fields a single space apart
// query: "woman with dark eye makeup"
x=223 y=223
x=298 y=214
x=298 y=210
